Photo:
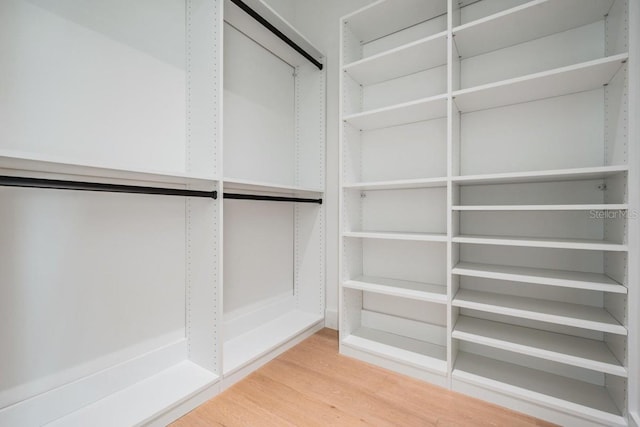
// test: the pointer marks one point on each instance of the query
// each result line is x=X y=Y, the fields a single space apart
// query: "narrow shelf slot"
x=541 y=276
x=398 y=184
x=434 y=107
x=248 y=347
x=567 y=349
x=411 y=58
x=384 y=18
x=593 y=207
x=562 y=393
x=579 y=316
x=560 y=81
x=598 y=172
x=392 y=235
x=529 y=21
x=541 y=242
x=410 y=351
x=400 y=288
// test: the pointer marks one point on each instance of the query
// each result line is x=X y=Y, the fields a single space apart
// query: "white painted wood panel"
x=530 y=21
x=577 y=397
x=411 y=87
x=542 y=310
x=419 y=210
x=386 y=17
x=269 y=335
x=512 y=139
x=404 y=260
x=412 y=151
x=401 y=349
x=375 y=305
x=108 y=281
x=399 y=288
x=143 y=401
x=253 y=229
x=578 y=45
x=539 y=242
x=581 y=352
x=113 y=93
x=259 y=112
x=546 y=84
x=407 y=59
x=563 y=278
x=408 y=112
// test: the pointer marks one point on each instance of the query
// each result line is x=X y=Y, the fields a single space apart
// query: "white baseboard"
x=331 y=319
x=634 y=419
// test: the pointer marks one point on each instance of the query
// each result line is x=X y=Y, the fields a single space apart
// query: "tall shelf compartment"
x=498 y=133
x=394 y=187
x=274 y=146
x=123 y=309
x=109 y=301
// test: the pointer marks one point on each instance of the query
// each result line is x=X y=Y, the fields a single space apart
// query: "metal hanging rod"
x=255 y=15
x=270 y=198
x=56 y=184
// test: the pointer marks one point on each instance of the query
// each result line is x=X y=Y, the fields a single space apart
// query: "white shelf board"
x=434 y=107
x=562 y=393
x=246 y=348
x=592 y=207
x=576 y=174
x=542 y=242
x=567 y=349
x=530 y=21
x=256 y=31
x=389 y=16
x=541 y=276
x=34 y=165
x=399 y=288
x=416 y=353
x=579 y=316
x=407 y=59
x=267 y=187
x=145 y=400
x=392 y=235
x=398 y=184
x=557 y=82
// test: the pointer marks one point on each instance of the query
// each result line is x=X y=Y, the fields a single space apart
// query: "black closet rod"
x=270 y=198
x=255 y=15
x=56 y=184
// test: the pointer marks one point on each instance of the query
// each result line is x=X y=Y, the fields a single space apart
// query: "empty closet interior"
x=485 y=199
x=117 y=307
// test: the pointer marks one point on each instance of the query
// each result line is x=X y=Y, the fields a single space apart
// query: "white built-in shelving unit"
x=486 y=200
x=132 y=309
x=274 y=145
x=108 y=300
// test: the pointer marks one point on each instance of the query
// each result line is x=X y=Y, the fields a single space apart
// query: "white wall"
x=286 y=8
x=319 y=21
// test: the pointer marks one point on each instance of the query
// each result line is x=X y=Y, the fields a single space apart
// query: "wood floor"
x=312 y=385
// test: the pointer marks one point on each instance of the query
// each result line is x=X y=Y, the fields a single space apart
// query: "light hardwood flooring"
x=313 y=385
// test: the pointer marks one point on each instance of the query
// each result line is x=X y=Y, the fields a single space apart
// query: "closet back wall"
x=113 y=74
